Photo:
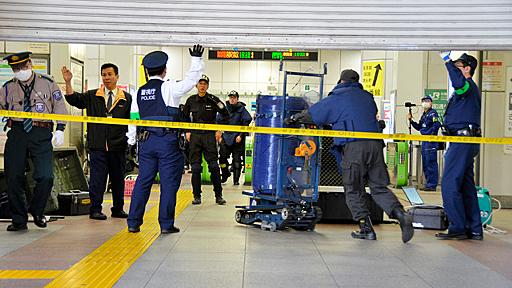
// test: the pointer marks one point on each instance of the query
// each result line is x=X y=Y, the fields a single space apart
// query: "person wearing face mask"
x=30 y=138
x=462 y=119
x=233 y=143
x=106 y=143
x=429 y=125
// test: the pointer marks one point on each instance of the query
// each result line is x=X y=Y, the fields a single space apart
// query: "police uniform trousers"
x=458 y=189
x=204 y=144
x=20 y=145
x=429 y=161
x=103 y=163
x=160 y=152
x=363 y=162
x=236 y=151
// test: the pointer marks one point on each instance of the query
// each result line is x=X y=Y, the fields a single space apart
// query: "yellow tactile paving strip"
x=29 y=274
x=105 y=265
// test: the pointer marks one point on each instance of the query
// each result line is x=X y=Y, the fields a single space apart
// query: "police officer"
x=350 y=108
x=429 y=125
x=203 y=107
x=30 y=138
x=159 y=149
x=462 y=118
x=233 y=143
x=107 y=143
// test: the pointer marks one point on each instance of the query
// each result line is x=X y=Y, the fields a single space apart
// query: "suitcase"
x=334 y=208
x=428 y=217
x=75 y=202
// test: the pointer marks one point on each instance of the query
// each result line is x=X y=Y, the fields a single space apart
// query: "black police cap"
x=468 y=60
x=349 y=75
x=426 y=98
x=204 y=78
x=155 y=60
x=18 y=58
x=233 y=93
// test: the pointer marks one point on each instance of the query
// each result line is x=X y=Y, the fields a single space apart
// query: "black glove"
x=289 y=120
x=196 y=51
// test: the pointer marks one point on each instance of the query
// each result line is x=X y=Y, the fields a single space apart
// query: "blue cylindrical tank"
x=267 y=146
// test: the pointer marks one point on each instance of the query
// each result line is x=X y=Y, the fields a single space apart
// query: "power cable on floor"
x=491 y=229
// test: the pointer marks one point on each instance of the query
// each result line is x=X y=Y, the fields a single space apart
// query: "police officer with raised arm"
x=159 y=148
x=29 y=91
x=429 y=125
x=462 y=118
x=203 y=107
x=350 y=108
x=233 y=143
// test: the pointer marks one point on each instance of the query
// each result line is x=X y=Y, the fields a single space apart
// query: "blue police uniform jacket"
x=464 y=106
x=238 y=115
x=347 y=108
x=152 y=105
x=429 y=123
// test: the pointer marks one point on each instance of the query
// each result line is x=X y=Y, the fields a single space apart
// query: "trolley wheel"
x=264 y=224
x=238 y=216
x=273 y=226
x=285 y=213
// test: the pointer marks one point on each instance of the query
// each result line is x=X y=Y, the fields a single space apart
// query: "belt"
x=467 y=132
x=159 y=130
x=40 y=124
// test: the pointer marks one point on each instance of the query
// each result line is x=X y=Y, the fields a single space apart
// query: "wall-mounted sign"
x=373 y=77
x=291 y=55
x=235 y=55
x=493 y=76
x=262 y=55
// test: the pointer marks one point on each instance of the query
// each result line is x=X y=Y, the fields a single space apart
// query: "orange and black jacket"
x=104 y=137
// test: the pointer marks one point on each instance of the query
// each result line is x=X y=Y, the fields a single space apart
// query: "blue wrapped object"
x=267 y=147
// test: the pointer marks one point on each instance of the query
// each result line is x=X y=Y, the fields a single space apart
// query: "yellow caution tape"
x=254 y=129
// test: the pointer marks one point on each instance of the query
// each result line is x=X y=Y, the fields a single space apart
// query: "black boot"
x=365 y=230
x=236 y=177
x=405 y=221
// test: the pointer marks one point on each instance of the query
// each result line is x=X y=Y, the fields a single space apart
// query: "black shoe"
x=405 y=221
x=475 y=236
x=365 y=230
x=236 y=183
x=40 y=221
x=134 y=229
x=196 y=201
x=428 y=189
x=451 y=236
x=220 y=200
x=119 y=214
x=17 y=227
x=98 y=216
x=170 y=231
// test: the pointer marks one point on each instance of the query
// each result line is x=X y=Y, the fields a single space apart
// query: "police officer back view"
x=350 y=108
x=204 y=107
x=429 y=125
x=30 y=92
x=462 y=118
x=159 y=149
x=233 y=143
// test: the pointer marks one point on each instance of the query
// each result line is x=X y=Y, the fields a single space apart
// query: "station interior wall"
x=406 y=75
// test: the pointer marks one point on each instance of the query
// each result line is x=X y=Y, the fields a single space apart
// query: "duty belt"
x=40 y=124
x=468 y=132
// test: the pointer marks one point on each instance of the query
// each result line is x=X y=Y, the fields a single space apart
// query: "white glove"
x=58 y=138
x=445 y=55
x=132 y=132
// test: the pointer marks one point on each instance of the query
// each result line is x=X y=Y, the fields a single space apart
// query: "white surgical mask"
x=426 y=105
x=23 y=75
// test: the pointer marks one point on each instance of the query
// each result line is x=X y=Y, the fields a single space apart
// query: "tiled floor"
x=212 y=250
